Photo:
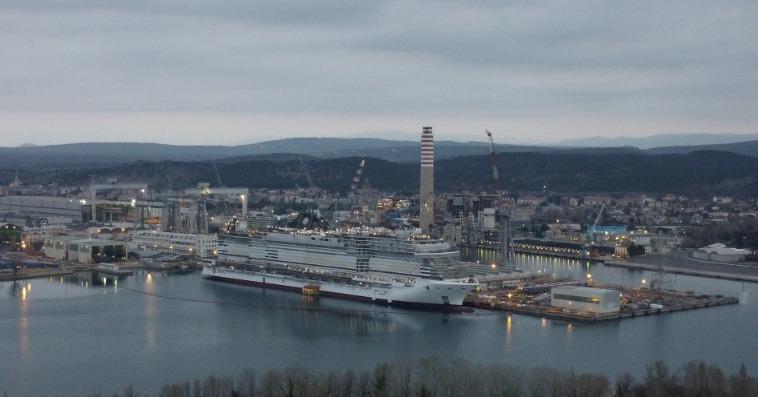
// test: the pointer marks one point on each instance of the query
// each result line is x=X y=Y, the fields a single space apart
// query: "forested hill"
x=700 y=173
x=110 y=153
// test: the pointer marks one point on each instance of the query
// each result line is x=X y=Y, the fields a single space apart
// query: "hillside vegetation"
x=698 y=173
x=99 y=154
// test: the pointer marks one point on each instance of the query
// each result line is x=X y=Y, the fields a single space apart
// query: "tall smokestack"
x=426 y=196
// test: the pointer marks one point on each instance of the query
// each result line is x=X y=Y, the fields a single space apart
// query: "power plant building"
x=426 y=193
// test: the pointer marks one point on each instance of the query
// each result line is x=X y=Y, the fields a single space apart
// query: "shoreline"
x=687 y=271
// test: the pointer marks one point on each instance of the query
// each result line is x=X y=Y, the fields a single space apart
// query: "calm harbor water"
x=74 y=335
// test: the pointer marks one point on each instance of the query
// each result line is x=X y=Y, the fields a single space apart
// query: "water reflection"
x=150 y=320
x=23 y=326
x=89 y=279
x=20 y=289
x=508 y=333
x=309 y=316
x=222 y=328
x=744 y=295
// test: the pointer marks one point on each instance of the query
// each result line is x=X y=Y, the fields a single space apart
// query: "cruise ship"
x=374 y=266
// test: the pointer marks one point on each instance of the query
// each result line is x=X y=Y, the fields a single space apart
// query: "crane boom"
x=597 y=218
x=353 y=192
x=218 y=175
x=493 y=160
x=594 y=224
x=307 y=172
x=357 y=176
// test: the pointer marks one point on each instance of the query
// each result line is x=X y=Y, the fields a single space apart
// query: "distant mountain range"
x=747 y=148
x=112 y=152
x=103 y=154
x=660 y=140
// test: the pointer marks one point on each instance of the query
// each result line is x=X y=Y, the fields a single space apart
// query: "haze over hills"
x=748 y=148
x=104 y=153
x=660 y=140
x=117 y=152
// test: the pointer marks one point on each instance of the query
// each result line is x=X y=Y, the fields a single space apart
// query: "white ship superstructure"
x=365 y=265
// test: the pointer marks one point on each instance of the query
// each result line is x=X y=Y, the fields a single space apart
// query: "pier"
x=635 y=302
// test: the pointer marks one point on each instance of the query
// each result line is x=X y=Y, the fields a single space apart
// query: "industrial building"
x=204 y=189
x=148 y=242
x=721 y=253
x=43 y=207
x=85 y=251
x=586 y=299
x=117 y=207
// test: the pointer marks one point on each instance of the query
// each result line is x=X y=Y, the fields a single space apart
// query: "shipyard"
x=369 y=245
x=378 y=199
x=427 y=264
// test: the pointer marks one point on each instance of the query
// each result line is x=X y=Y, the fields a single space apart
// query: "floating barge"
x=112 y=270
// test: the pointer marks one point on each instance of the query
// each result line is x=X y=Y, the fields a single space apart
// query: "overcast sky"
x=230 y=72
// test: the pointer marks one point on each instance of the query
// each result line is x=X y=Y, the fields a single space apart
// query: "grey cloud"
x=620 y=60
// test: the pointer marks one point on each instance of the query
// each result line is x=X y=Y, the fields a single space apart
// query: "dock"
x=556 y=314
x=724 y=274
x=635 y=302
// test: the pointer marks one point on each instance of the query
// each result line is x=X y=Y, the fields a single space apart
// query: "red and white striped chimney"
x=426 y=194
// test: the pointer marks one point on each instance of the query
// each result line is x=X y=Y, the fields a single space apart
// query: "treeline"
x=453 y=378
x=698 y=173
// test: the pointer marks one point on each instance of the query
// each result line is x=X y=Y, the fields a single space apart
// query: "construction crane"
x=357 y=177
x=218 y=175
x=507 y=255
x=242 y=195
x=353 y=192
x=661 y=278
x=597 y=219
x=493 y=161
x=592 y=232
x=307 y=172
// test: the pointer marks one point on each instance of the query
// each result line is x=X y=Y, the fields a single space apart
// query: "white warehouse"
x=152 y=242
x=585 y=299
